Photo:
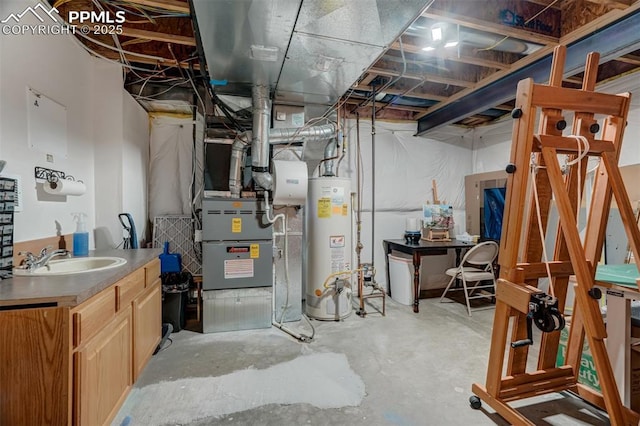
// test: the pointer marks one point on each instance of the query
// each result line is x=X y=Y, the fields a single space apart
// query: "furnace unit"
x=237 y=265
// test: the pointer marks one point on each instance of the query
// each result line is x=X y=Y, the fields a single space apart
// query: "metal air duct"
x=261 y=138
x=260 y=141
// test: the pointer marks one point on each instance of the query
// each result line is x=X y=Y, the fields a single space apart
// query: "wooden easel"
x=521 y=245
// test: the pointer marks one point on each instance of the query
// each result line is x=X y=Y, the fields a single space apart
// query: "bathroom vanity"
x=71 y=346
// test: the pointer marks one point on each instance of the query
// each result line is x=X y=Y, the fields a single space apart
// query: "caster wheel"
x=475 y=402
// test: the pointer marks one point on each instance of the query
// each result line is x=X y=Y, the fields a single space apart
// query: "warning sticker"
x=238 y=268
x=324 y=208
x=338 y=254
x=336 y=241
x=255 y=251
x=337 y=210
x=345 y=210
x=236 y=225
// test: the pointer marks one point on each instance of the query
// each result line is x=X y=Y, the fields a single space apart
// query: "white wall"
x=107 y=139
x=62 y=71
x=405 y=166
x=98 y=122
x=135 y=163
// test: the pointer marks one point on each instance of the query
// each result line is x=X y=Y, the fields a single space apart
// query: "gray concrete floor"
x=416 y=369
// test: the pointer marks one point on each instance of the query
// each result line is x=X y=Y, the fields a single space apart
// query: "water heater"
x=328 y=248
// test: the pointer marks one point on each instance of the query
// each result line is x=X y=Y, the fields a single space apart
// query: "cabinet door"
x=103 y=372
x=147 y=326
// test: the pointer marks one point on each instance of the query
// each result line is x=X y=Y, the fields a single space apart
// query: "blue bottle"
x=81 y=236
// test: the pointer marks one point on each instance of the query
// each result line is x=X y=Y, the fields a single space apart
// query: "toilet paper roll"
x=65 y=187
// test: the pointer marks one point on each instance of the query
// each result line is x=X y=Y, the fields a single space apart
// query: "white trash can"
x=401 y=277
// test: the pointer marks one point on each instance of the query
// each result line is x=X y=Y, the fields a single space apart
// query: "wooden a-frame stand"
x=521 y=264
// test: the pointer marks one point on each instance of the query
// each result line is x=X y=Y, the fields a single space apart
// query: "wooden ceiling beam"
x=453 y=57
x=412 y=94
x=581 y=32
x=573 y=79
x=629 y=59
x=172 y=5
x=426 y=77
x=156 y=36
x=368 y=79
x=620 y=4
x=355 y=101
x=166 y=62
x=485 y=26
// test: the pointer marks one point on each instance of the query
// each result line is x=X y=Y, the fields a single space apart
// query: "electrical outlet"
x=197 y=236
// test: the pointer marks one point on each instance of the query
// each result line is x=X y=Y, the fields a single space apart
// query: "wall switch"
x=281 y=115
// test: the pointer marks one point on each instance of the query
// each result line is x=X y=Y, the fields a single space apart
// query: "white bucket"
x=401 y=277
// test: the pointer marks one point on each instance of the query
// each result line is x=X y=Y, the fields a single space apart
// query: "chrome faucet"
x=32 y=261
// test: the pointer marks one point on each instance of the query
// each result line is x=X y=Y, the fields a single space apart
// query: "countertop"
x=71 y=290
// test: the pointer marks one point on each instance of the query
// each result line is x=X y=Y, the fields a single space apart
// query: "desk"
x=620 y=282
x=423 y=248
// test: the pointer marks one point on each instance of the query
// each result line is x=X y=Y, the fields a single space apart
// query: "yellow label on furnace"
x=254 y=251
x=236 y=225
x=324 y=208
x=345 y=210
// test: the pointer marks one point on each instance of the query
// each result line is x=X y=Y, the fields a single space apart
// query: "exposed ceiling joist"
x=433 y=78
x=482 y=25
x=453 y=57
x=410 y=94
x=356 y=101
x=629 y=59
x=165 y=62
x=156 y=36
x=368 y=79
x=501 y=86
x=620 y=4
x=172 y=5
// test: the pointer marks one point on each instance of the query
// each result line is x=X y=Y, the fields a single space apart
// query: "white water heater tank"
x=327 y=242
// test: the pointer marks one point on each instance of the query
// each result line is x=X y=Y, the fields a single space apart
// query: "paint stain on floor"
x=323 y=380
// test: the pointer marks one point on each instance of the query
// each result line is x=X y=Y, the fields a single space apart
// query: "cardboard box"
x=587 y=375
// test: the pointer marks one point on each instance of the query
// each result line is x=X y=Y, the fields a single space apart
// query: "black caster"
x=475 y=402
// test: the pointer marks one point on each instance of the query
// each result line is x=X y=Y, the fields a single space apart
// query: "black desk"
x=423 y=248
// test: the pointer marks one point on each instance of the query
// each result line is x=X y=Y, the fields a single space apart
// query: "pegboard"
x=178 y=231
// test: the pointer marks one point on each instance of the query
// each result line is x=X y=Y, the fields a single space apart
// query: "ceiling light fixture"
x=428 y=48
x=436 y=33
x=451 y=44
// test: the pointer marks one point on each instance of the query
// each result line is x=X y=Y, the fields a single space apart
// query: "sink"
x=77 y=265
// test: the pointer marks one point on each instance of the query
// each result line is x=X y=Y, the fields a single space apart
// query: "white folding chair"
x=475 y=267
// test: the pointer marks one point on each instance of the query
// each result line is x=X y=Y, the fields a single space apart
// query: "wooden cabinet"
x=107 y=364
x=147 y=326
x=102 y=372
x=34 y=350
x=75 y=366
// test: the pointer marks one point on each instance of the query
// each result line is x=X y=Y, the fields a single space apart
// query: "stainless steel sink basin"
x=77 y=265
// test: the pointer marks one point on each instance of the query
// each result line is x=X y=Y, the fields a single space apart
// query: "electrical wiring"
x=96 y=54
x=162 y=13
x=159 y=93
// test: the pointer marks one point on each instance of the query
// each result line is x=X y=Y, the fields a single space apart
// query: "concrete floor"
x=402 y=369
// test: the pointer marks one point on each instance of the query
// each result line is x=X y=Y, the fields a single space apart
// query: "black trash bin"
x=175 y=295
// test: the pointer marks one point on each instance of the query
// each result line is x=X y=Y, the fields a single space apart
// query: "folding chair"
x=475 y=267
